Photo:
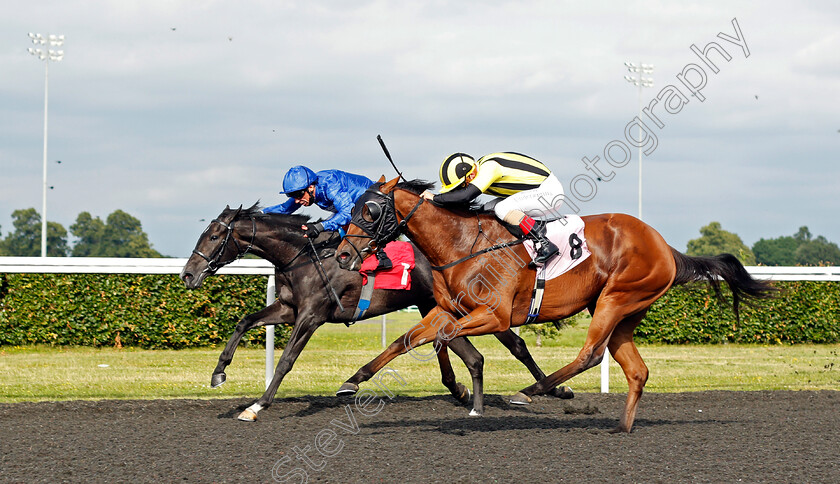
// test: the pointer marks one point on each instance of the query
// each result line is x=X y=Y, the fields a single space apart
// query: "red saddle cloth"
x=398 y=276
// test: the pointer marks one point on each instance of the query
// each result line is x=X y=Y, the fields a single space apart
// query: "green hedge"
x=156 y=311
x=804 y=312
x=147 y=311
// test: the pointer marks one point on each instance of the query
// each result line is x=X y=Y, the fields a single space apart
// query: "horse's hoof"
x=247 y=416
x=563 y=392
x=463 y=393
x=475 y=413
x=217 y=380
x=520 y=399
x=347 y=389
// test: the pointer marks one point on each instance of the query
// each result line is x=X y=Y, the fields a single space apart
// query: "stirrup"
x=540 y=258
x=546 y=251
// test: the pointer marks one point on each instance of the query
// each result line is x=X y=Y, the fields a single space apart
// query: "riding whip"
x=388 y=155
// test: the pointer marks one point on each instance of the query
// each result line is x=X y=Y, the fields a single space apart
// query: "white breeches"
x=541 y=203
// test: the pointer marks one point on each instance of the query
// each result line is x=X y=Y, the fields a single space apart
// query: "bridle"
x=213 y=263
x=381 y=226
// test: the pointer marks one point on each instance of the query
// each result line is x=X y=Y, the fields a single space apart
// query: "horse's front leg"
x=422 y=333
x=301 y=333
x=275 y=313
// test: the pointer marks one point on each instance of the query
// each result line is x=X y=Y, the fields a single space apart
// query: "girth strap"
x=536 y=296
x=364 y=299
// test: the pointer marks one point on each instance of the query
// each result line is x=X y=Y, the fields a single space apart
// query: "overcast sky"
x=170 y=110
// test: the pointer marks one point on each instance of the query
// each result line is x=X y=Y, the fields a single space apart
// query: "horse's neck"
x=270 y=245
x=443 y=236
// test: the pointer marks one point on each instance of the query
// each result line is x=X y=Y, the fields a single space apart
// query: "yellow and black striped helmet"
x=454 y=169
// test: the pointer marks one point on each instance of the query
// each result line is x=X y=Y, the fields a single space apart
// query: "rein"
x=323 y=273
x=476 y=254
x=306 y=248
x=404 y=224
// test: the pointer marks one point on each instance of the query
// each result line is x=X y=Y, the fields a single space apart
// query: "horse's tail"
x=724 y=267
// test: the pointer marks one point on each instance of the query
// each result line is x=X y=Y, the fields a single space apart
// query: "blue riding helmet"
x=298 y=178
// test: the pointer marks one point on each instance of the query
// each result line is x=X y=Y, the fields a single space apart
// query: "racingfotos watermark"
x=671 y=99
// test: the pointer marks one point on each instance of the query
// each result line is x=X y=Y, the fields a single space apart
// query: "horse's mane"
x=255 y=211
x=416 y=186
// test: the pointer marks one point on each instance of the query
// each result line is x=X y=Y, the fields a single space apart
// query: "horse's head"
x=217 y=247
x=368 y=223
x=375 y=219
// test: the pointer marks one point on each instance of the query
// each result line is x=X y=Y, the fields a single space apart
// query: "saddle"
x=515 y=230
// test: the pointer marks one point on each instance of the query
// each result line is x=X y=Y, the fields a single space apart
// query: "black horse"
x=308 y=282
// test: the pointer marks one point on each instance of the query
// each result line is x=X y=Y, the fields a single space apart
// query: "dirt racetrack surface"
x=688 y=437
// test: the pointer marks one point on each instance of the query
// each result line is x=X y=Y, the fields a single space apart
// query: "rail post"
x=271 y=289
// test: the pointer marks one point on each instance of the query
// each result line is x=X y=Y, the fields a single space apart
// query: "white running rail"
x=108 y=265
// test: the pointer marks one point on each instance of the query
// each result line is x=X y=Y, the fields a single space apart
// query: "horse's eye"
x=214 y=237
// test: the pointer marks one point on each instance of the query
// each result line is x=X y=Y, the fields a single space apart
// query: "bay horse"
x=304 y=284
x=629 y=268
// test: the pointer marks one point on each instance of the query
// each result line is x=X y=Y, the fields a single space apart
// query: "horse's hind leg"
x=624 y=351
x=603 y=323
x=517 y=348
x=276 y=313
x=458 y=390
x=475 y=364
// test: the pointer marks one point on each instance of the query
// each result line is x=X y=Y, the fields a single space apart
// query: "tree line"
x=120 y=235
x=799 y=249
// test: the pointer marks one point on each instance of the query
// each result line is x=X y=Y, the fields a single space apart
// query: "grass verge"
x=336 y=352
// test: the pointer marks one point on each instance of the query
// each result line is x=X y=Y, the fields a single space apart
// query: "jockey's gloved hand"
x=313 y=230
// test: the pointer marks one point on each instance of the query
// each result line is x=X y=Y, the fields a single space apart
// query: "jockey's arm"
x=489 y=172
x=459 y=195
x=287 y=207
x=343 y=203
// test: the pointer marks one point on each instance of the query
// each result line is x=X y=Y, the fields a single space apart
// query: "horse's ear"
x=381 y=179
x=387 y=187
x=227 y=207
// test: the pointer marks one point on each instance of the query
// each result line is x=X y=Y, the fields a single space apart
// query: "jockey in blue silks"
x=333 y=190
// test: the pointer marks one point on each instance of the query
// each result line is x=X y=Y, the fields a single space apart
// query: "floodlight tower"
x=641 y=82
x=47 y=55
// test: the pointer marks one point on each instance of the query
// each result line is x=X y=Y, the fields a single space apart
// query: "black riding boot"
x=384 y=263
x=545 y=248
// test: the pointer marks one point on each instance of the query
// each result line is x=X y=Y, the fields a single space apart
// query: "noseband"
x=213 y=263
